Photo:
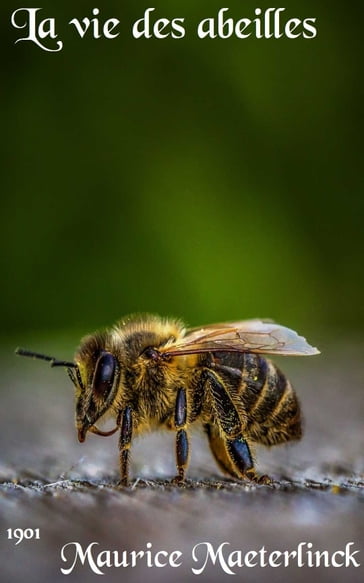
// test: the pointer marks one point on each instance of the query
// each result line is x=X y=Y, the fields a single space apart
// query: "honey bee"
x=151 y=373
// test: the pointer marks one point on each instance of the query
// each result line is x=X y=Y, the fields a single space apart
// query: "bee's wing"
x=244 y=336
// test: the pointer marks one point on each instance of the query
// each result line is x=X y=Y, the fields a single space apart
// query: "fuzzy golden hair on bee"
x=148 y=372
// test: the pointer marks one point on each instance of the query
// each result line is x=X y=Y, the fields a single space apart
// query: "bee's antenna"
x=53 y=361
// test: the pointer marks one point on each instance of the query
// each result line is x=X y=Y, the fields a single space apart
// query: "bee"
x=150 y=373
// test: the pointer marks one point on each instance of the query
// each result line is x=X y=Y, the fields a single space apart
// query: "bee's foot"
x=178 y=480
x=259 y=479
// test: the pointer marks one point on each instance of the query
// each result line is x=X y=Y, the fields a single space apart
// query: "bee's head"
x=95 y=376
x=95 y=373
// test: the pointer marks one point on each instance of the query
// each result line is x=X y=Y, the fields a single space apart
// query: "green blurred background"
x=206 y=179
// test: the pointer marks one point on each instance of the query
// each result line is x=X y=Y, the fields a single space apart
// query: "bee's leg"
x=182 y=446
x=124 y=443
x=240 y=454
x=218 y=448
x=228 y=445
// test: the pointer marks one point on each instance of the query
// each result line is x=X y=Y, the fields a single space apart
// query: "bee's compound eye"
x=104 y=374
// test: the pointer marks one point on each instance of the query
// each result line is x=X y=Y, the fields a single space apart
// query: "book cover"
x=200 y=162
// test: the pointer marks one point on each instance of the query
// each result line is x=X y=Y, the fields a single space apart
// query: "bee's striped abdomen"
x=272 y=386
x=271 y=408
x=275 y=416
